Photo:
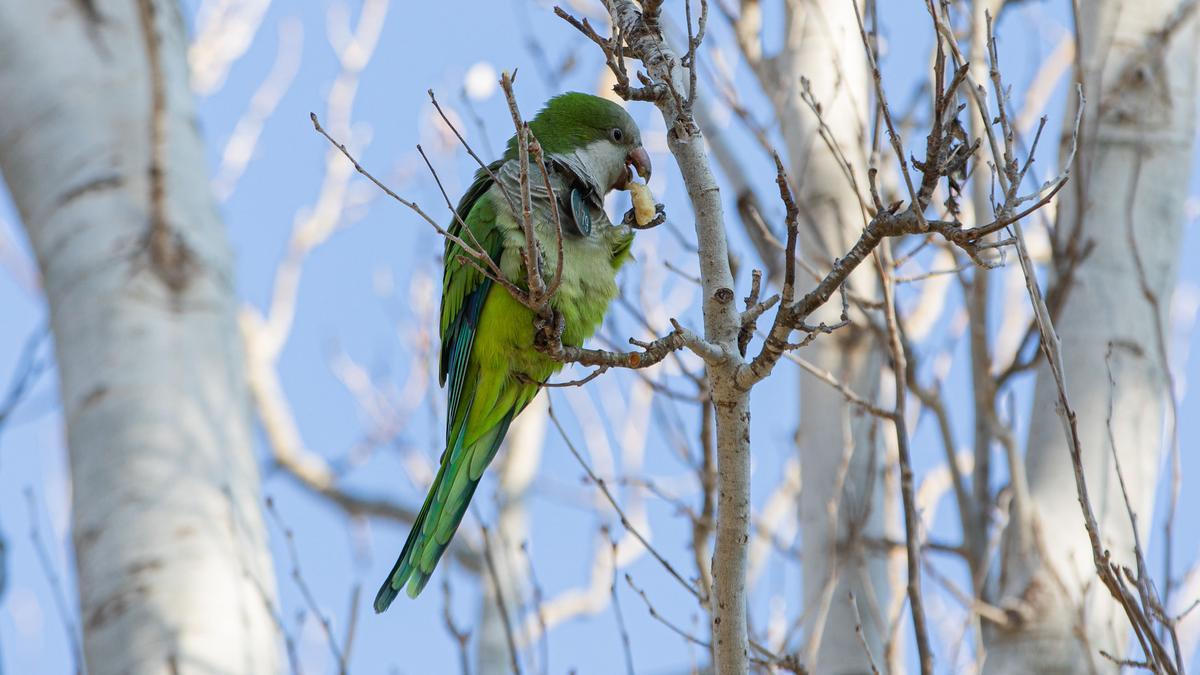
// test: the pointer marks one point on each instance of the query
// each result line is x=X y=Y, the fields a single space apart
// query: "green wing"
x=471 y=440
x=465 y=288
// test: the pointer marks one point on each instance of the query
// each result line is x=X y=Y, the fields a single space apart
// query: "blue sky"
x=357 y=300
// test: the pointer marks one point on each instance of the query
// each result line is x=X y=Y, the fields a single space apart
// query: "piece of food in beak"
x=643 y=203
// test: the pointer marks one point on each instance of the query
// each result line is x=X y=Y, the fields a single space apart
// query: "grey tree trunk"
x=100 y=150
x=1129 y=186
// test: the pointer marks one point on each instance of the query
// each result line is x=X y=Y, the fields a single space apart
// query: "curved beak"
x=639 y=159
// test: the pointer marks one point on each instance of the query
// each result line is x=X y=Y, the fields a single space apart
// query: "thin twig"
x=461 y=636
x=625 y=647
x=56 y=589
x=476 y=256
x=911 y=520
x=30 y=366
x=858 y=630
x=305 y=591
x=603 y=485
x=351 y=628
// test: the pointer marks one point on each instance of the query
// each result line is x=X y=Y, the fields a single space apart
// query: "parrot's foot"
x=548 y=333
x=660 y=217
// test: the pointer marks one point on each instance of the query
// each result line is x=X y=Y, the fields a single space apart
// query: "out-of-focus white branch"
x=225 y=29
x=595 y=596
x=934 y=486
x=1044 y=83
x=265 y=333
x=244 y=139
x=323 y=218
x=308 y=468
x=511 y=577
x=589 y=599
x=931 y=304
x=777 y=522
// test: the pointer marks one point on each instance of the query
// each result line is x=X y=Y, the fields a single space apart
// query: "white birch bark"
x=823 y=45
x=100 y=150
x=1129 y=186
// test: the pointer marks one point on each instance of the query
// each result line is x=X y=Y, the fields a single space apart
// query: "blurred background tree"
x=236 y=336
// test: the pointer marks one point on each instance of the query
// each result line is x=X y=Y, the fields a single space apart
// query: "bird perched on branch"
x=489 y=359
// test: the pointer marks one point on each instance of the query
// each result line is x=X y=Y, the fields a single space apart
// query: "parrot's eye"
x=616 y=134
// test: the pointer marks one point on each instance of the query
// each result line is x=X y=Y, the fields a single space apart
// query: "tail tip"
x=389 y=591
x=384 y=598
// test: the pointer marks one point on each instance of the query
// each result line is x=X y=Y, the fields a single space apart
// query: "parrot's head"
x=598 y=132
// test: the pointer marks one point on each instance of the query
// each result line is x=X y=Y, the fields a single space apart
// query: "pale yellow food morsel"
x=643 y=203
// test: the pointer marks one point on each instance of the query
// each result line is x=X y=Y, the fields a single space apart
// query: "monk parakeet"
x=488 y=356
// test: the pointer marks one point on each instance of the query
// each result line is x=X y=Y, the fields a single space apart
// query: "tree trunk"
x=1126 y=200
x=835 y=520
x=100 y=150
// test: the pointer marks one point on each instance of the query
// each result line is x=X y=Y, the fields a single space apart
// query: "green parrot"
x=488 y=356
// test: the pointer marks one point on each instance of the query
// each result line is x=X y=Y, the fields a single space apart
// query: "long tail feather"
x=440 y=516
x=403 y=568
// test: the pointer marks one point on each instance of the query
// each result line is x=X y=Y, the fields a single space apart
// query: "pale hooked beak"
x=640 y=160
